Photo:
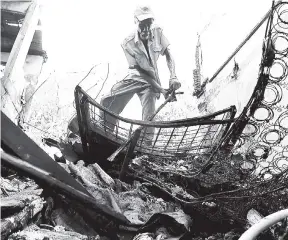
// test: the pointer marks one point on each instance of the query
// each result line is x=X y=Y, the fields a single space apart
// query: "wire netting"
x=184 y=137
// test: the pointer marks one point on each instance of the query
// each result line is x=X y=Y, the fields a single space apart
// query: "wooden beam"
x=16 y=61
x=23 y=41
x=89 y=202
x=15 y=140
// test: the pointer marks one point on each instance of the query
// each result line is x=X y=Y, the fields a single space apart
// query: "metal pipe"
x=241 y=45
x=263 y=224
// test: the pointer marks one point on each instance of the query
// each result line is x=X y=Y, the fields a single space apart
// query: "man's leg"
x=148 y=100
x=116 y=101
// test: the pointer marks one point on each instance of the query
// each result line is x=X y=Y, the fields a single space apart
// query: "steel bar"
x=258 y=25
x=156 y=139
x=182 y=138
x=169 y=139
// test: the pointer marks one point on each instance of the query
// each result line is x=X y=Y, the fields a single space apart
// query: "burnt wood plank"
x=24 y=147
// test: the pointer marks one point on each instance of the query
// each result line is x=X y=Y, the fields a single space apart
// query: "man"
x=142 y=49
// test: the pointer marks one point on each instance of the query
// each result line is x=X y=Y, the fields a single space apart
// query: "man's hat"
x=143 y=12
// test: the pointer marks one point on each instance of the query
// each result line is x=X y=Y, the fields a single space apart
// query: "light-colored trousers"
x=121 y=93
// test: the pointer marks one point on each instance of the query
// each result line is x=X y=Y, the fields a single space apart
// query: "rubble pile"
x=29 y=211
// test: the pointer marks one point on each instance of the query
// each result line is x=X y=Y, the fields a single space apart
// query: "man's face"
x=144 y=28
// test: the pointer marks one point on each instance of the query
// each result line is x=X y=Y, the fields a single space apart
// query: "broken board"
x=15 y=141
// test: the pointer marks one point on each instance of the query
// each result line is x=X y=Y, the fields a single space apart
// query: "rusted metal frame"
x=198 y=134
x=84 y=106
x=80 y=120
x=182 y=123
x=140 y=128
x=190 y=133
x=209 y=163
x=105 y=121
x=130 y=131
x=182 y=138
x=156 y=139
x=99 y=122
x=118 y=126
x=195 y=135
x=158 y=154
x=232 y=115
x=141 y=142
x=214 y=138
x=162 y=124
x=228 y=125
x=181 y=134
x=121 y=134
x=97 y=117
x=169 y=139
x=143 y=137
x=178 y=122
x=208 y=133
x=205 y=117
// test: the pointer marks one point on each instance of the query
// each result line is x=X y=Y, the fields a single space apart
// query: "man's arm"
x=149 y=76
x=173 y=81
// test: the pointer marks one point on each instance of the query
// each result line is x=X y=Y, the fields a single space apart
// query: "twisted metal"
x=252 y=156
x=181 y=137
x=261 y=131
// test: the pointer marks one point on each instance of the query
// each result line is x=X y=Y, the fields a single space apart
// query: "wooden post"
x=131 y=148
x=11 y=94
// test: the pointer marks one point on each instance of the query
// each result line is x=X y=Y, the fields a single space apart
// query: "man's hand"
x=164 y=92
x=174 y=83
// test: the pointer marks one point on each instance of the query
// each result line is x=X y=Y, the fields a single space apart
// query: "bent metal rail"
x=185 y=136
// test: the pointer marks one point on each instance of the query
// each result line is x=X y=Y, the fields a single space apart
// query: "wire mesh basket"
x=161 y=138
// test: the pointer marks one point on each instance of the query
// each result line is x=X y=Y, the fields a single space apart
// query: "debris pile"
x=155 y=206
x=30 y=212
